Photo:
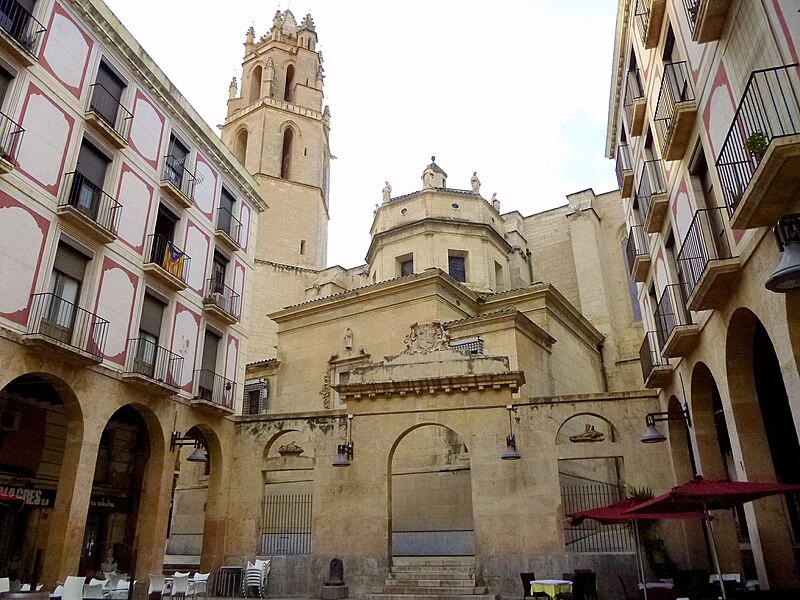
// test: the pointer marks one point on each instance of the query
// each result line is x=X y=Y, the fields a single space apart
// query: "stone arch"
x=288 y=91
x=256 y=75
x=710 y=425
x=289 y=124
x=240 y=145
x=586 y=427
x=793 y=324
x=438 y=521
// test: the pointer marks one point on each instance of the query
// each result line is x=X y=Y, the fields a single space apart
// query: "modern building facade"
x=127 y=234
x=704 y=123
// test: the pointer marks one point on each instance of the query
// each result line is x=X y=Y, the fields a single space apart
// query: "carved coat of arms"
x=427 y=337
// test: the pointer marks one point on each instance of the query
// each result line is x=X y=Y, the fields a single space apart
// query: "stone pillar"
x=151 y=526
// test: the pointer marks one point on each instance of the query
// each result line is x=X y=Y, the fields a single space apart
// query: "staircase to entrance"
x=432 y=578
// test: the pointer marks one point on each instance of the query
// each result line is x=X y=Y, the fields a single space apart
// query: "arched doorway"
x=40 y=419
x=110 y=535
x=431 y=494
x=760 y=404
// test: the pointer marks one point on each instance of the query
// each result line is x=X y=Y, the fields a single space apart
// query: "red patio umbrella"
x=618 y=513
x=706 y=495
x=10 y=502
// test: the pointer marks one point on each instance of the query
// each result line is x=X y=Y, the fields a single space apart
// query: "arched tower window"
x=286 y=160
x=287 y=89
x=240 y=146
x=255 y=84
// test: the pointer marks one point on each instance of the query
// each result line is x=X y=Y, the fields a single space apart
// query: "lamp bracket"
x=655 y=417
x=176 y=441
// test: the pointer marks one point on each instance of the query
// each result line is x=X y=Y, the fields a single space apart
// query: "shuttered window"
x=457 y=267
x=152 y=313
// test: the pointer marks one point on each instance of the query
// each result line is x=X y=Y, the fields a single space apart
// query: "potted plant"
x=756 y=144
x=653 y=545
x=693 y=9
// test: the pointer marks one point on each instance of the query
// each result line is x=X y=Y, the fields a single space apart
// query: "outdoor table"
x=551 y=587
x=228 y=581
x=657 y=590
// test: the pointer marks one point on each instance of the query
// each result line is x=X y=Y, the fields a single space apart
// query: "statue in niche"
x=427 y=179
x=427 y=337
x=348 y=339
x=335 y=573
x=387 y=192
x=590 y=434
x=269 y=70
x=290 y=449
x=475 y=183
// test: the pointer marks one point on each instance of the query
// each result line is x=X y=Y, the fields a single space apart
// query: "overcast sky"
x=516 y=90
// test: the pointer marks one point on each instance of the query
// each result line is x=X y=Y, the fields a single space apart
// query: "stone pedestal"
x=333 y=592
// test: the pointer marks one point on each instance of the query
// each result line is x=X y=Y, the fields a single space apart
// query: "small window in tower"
x=286 y=160
x=457 y=265
x=305 y=151
x=255 y=84
x=287 y=88
x=302 y=247
x=405 y=265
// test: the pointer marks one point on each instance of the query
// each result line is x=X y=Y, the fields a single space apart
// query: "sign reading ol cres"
x=31 y=496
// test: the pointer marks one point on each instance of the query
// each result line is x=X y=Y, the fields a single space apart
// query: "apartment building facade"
x=704 y=124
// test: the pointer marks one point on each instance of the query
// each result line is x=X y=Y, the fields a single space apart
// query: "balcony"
x=638 y=254
x=656 y=370
x=214 y=391
x=86 y=206
x=759 y=164
x=166 y=262
x=651 y=196
x=634 y=102
x=624 y=171
x=20 y=33
x=676 y=110
x=107 y=116
x=650 y=17
x=706 y=18
x=229 y=229
x=221 y=301
x=152 y=367
x=75 y=333
x=676 y=333
x=10 y=139
x=177 y=181
x=705 y=264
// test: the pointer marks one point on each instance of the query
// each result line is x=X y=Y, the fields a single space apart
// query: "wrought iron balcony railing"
x=636 y=245
x=705 y=241
x=671 y=312
x=56 y=318
x=623 y=162
x=633 y=91
x=223 y=297
x=650 y=355
x=769 y=109
x=215 y=388
x=20 y=25
x=651 y=181
x=91 y=201
x=165 y=254
x=147 y=358
x=675 y=89
x=10 y=138
x=106 y=106
x=642 y=17
x=176 y=173
x=229 y=225
x=692 y=7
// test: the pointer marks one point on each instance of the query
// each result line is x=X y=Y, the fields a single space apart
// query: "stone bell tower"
x=277 y=128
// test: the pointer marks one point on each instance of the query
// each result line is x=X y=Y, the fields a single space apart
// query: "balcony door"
x=208 y=366
x=149 y=333
x=175 y=163
x=90 y=176
x=58 y=318
x=107 y=93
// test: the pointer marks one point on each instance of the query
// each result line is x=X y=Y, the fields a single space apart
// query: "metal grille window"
x=286 y=524
x=590 y=536
x=474 y=345
x=255 y=398
x=457 y=267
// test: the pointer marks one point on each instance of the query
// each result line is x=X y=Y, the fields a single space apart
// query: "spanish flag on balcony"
x=173 y=261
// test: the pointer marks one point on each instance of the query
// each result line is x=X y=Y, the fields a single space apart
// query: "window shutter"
x=152 y=313
x=70 y=262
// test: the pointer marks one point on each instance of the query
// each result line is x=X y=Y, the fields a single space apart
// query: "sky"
x=516 y=90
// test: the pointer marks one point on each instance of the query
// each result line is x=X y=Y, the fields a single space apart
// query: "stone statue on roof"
x=387 y=193
x=475 y=183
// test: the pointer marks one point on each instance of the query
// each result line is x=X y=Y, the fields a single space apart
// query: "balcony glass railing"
x=106 y=106
x=650 y=355
x=636 y=245
x=223 y=296
x=675 y=89
x=229 y=224
x=168 y=256
x=215 y=388
x=147 y=358
x=705 y=241
x=671 y=312
x=176 y=173
x=91 y=201
x=623 y=162
x=64 y=322
x=651 y=181
x=769 y=109
x=17 y=22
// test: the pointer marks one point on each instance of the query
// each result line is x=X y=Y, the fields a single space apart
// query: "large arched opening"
x=286 y=153
x=288 y=92
x=255 y=84
x=240 y=146
x=42 y=431
x=430 y=493
x=760 y=404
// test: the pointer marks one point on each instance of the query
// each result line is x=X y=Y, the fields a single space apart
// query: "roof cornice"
x=617 y=74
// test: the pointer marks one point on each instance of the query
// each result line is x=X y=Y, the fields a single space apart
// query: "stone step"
x=434 y=560
x=434 y=591
x=433 y=574
x=430 y=582
x=432 y=569
x=431 y=597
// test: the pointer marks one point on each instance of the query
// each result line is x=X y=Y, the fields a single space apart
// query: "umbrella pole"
x=639 y=561
x=714 y=555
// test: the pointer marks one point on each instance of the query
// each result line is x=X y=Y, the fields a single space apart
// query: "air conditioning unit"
x=217 y=298
x=9 y=420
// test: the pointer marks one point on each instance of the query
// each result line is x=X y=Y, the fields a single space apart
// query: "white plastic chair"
x=122 y=590
x=156 y=587
x=26 y=587
x=198 y=586
x=95 y=581
x=5 y=584
x=180 y=585
x=58 y=591
x=256 y=576
x=73 y=588
x=93 y=591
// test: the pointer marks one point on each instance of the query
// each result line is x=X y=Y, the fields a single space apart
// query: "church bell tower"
x=276 y=126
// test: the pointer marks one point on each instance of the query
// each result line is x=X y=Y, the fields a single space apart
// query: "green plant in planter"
x=654 y=549
x=693 y=9
x=756 y=144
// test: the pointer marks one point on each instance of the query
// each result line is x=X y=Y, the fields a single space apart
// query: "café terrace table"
x=551 y=587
